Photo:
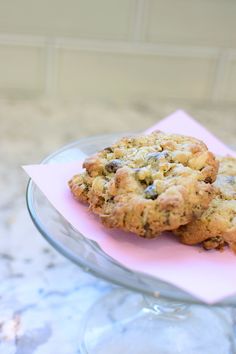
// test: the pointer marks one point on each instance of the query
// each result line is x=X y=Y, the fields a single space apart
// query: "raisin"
x=157 y=155
x=208 y=180
x=230 y=180
x=137 y=169
x=108 y=149
x=113 y=165
x=150 y=192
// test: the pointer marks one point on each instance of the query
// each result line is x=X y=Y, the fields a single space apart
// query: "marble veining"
x=43 y=296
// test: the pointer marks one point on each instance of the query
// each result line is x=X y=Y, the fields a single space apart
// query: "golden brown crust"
x=217 y=225
x=147 y=184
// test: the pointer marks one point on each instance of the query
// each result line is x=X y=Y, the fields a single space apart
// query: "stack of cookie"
x=162 y=182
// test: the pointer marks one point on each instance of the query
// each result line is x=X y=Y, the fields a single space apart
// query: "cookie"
x=148 y=184
x=217 y=225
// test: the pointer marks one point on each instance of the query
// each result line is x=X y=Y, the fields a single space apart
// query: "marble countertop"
x=43 y=295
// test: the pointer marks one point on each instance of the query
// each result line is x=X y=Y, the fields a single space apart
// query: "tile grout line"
x=219 y=82
x=51 y=69
x=139 y=21
x=113 y=46
x=137 y=48
x=22 y=40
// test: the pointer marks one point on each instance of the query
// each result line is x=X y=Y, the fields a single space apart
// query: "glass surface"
x=84 y=252
x=131 y=323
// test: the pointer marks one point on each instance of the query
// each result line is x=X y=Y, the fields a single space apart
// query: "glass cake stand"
x=144 y=315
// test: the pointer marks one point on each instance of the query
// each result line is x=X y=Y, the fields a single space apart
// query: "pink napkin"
x=207 y=275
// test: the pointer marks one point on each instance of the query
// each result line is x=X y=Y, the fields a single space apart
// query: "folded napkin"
x=208 y=275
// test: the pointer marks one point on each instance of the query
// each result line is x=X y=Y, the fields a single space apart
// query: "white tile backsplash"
x=22 y=69
x=201 y=22
x=77 y=18
x=133 y=76
x=127 y=49
x=229 y=93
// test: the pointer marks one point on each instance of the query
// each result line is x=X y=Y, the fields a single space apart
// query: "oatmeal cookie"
x=147 y=184
x=217 y=225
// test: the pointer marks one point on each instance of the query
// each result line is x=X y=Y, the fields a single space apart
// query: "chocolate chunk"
x=150 y=192
x=113 y=165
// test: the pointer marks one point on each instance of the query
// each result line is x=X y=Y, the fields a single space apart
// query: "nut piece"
x=216 y=242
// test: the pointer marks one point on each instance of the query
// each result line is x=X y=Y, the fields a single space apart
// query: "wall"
x=119 y=50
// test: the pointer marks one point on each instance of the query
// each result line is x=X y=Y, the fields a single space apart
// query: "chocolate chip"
x=150 y=192
x=113 y=165
x=157 y=155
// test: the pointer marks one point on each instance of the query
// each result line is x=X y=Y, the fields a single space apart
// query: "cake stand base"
x=123 y=322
